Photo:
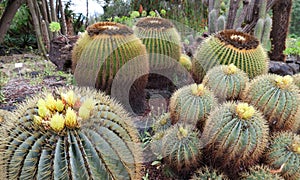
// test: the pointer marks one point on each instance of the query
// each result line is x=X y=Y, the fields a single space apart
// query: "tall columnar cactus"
x=208 y=173
x=181 y=147
x=230 y=47
x=226 y=81
x=110 y=53
x=284 y=154
x=277 y=97
x=192 y=104
x=161 y=40
x=71 y=134
x=260 y=172
x=235 y=136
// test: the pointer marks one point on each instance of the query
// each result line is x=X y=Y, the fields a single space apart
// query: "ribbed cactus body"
x=80 y=135
x=162 y=123
x=259 y=28
x=181 y=147
x=192 y=104
x=230 y=47
x=227 y=82
x=161 y=40
x=208 y=173
x=260 y=172
x=277 y=98
x=235 y=136
x=284 y=155
x=297 y=79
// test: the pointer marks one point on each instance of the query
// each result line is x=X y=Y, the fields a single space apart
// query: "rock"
x=280 y=68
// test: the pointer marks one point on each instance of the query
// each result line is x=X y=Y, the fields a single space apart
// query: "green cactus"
x=277 y=98
x=192 y=104
x=262 y=9
x=230 y=47
x=260 y=172
x=284 y=154
x=181 y=147
x=297 y=79
x=161 y=40
x=110 y=53
x=208 y=174
x=74 y=133
x=212 y=16
x=162 y=123
x=235 y=136
x=259 y=28
x=265 y=39
x=227 y=82
x=221 y=23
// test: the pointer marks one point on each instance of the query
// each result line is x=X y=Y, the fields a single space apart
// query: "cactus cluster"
x=260 y=172
x=70 y=134
x=284 y=154
x=227 y=82
x=230 y=47
x=277 y=98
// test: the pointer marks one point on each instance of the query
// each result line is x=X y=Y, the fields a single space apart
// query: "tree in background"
x=295 y=18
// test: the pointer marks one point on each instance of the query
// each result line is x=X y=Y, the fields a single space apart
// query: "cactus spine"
x=71 y=134
x=227 y=82
x=192 y=104
x=260 y=172
x=208 y=173
x=284 y=154
x=235 y=136
x=230 y=47
x=277 y=98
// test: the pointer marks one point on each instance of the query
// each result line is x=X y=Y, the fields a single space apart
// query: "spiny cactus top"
x=277 y=97
x=231 y=46
x=260 y=172
x=235 y=135
x=226 y=81
x=71 y=134
x=208 y=173
x=284 y=154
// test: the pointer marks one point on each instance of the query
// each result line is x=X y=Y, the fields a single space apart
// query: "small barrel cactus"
x=284 y=154
x=162 y=123
x=208 y=174
x=277 y=98
x=226 y=81
x=192 y=104
x=230 y=47
x=260 y=172
x=181 y=147
x=235 y=136
x=70 y=134
x=297 y=79
x=110 y=54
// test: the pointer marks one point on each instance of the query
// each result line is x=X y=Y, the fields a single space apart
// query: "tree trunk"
x=63 y=18
x=281 y=20
x=8 y=15
x=87 y=14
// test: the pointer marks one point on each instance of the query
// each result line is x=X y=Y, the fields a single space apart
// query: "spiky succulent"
x=110 y=54
x=284 y=154
x=181 y=147
x=297 y=79
x=226 y=81
x=260 y=172
x=192 y=104
x=230 y=47
x=277 y=98
x=70 y=134
x=185 y=61
x=162 y=123
x=235 y=136
x=208 y=173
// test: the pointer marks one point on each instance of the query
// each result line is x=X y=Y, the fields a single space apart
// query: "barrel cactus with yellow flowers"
x=230 y=47
x=192 y=104
x=74 y=133
x=283 y=155
x=227 y=82
x=110 y=54
x=260 y=172
x=277 y=97
x=235 y=136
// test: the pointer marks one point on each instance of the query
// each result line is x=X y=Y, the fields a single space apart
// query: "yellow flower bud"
x=296 y=147
x=69 y=98
x=71 y=118
x=59 y=105
x=37 y=120
x=231 y=69
x=244 y=111
x=84 y=113
x=185 y=61
x=50 y=102
x=284 y=82
x=57 y=122
x=41 y=103
x=43 y=111
x=183 y=132
x=197 y=90
x=89 y=104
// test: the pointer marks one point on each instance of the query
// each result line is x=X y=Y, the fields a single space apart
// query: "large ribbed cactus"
x=277 y=97
x=235 y=136
x=260 y=172
x=284 y=155
x=71 y=134
x=226 y=81
x=230 y=47
x=208 y=174
x=110 y=53
x=192 y=104
x=161 y=40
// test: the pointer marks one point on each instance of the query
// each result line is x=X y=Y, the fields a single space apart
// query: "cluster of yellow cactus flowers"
x=197 y=90
x=230 y=69
x=182 y=132
x=284 y=82
x=245 y=111
x=65 y=112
